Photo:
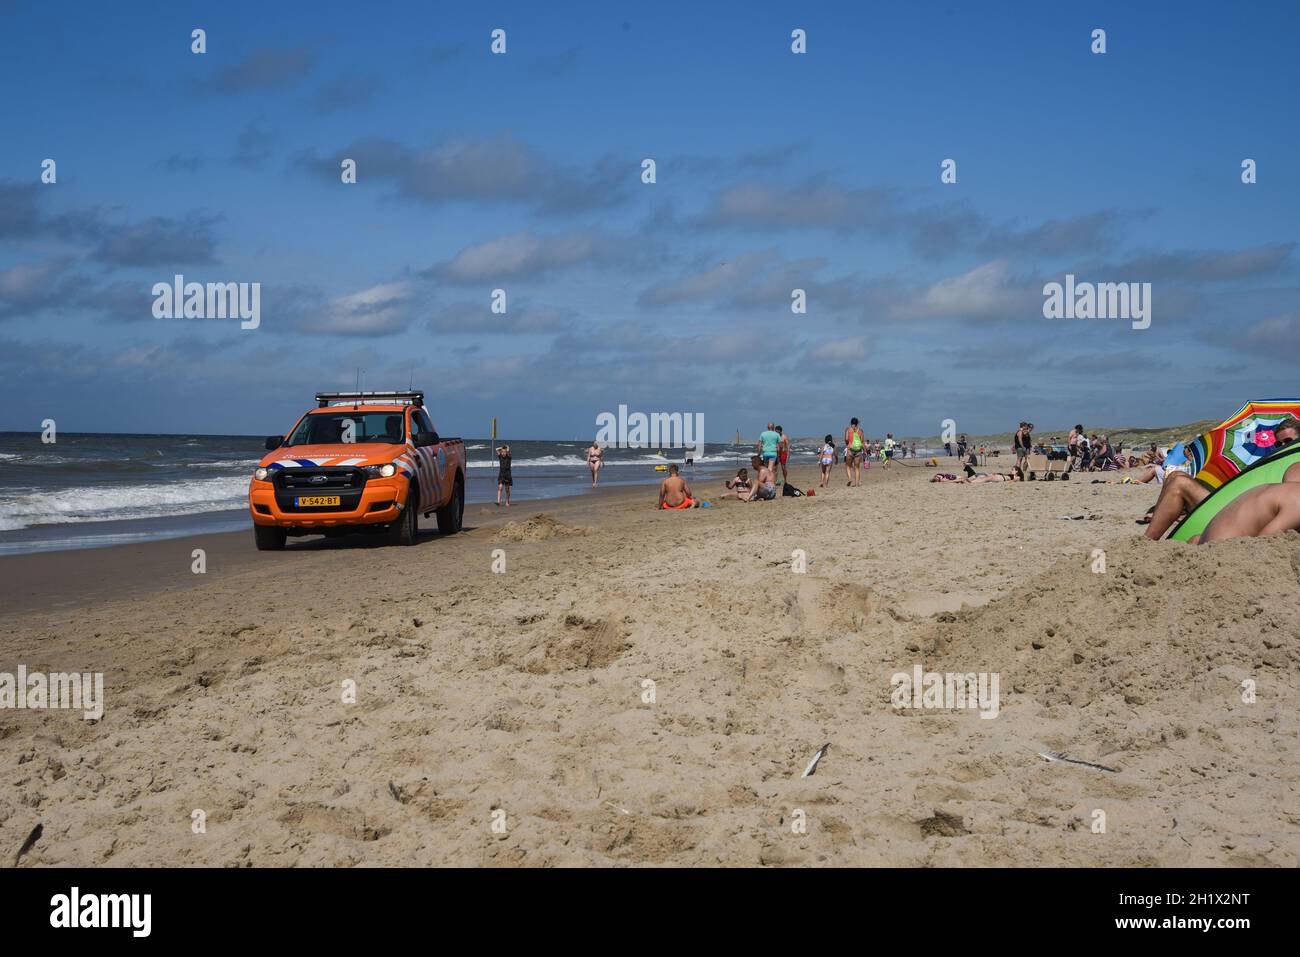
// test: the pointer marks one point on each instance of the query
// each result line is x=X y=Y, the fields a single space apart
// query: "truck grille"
x=346 y=483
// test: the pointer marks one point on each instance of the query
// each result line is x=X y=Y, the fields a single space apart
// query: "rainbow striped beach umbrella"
x=1243 y=439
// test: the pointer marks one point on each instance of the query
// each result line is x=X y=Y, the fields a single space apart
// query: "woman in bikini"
x=595 y=459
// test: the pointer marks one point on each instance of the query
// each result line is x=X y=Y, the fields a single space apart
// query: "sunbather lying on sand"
x=1266 y=510
x=674 y=492
x=980 y=478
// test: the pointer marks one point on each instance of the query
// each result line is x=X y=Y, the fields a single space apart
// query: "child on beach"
x=737 y=485
x=504 y=481
x=827 y=459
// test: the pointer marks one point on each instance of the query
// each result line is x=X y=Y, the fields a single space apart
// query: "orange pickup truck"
x=360 y=461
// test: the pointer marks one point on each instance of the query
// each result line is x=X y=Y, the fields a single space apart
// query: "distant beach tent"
x=1240 y=441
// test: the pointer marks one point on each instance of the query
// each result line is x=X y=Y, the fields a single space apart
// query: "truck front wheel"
x=269 y=538
x=406 y=529
x=450 y=515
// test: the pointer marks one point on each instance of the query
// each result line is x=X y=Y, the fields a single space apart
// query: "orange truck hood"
x=335 y=454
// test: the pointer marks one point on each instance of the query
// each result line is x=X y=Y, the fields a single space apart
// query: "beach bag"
x=791 y=491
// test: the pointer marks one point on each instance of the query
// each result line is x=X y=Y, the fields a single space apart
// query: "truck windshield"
x=327 y=428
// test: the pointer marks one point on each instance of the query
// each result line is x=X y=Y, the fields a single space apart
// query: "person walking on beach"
x=827 y=457
x=504 y=481
x=595 y=459
x=783 y=455
x=889 y=448
x=853 y=443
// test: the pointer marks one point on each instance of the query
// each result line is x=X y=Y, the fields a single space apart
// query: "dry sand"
x=523 y=692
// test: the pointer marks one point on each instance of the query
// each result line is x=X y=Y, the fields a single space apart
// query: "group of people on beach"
x=1263 y=510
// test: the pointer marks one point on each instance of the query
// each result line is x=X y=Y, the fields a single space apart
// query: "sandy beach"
x=521 y=697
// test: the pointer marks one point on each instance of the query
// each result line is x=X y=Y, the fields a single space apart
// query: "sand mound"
x=536 y=529
x=1078 y=636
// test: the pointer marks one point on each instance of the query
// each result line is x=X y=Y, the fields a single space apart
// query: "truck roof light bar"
x=324 y=399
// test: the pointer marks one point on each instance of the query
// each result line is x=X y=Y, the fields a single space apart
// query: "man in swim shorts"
x=769 y=443
x=674 y=492
x=764 y=488
x=783 y=454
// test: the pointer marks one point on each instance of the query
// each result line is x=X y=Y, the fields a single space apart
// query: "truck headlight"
x=260 y=474
x=381 y=471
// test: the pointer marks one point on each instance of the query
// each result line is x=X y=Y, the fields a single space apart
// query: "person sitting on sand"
x=595 y=459
x=739 y=484
x=673 y=491
x=1103 y=456
x=1181 y=493
x=1153 y=467
x=764 y=483
x=1266 y=510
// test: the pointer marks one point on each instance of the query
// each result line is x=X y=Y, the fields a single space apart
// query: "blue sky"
x=523 y=172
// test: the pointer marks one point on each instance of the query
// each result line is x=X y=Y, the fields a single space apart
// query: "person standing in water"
x=504 y=480
x=595 y=459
